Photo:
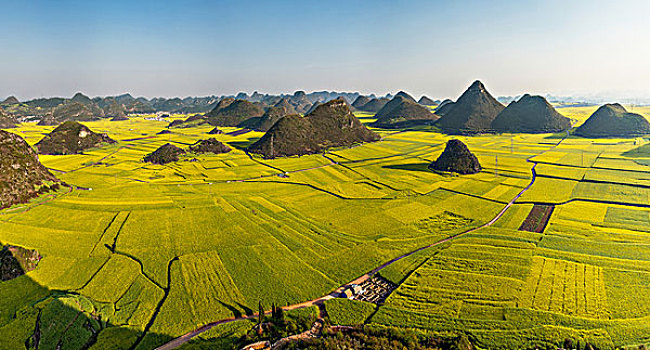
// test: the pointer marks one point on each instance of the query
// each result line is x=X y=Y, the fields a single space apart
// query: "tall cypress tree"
x=260 y=316
x=279 y=314
x=274 y=315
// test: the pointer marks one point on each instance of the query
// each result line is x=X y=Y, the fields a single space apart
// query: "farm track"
x=188 y=336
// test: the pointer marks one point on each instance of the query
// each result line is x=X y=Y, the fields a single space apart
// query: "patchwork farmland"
x=136 y=255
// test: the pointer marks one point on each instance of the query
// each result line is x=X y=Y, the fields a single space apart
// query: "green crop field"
x=138 y=254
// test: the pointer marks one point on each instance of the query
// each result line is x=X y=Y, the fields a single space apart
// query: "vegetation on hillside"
x=530 y=114
x=456 y=158
x=403 y=112
x=166 y=153
x=22 y=176
x=210 y=145
x=613 y=120
x=70 y=138
x=331 y=124
x=231 y=112
x=473 y=112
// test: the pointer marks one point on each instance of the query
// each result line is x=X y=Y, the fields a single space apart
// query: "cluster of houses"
x=374 y=290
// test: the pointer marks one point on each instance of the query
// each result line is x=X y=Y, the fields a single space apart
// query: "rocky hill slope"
x=270 y=117
x=6 y=121
x=613 y=120
x=331 y=124
x=424 y=100
x=456 y=158
x=22 y=176
x=231 y=112
x=402 y=112
x=166 y=153
x=210 y=145
x=530 y=114
x=472 y=113
x=70 y=138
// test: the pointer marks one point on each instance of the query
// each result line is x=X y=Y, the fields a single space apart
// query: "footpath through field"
x=188 y=336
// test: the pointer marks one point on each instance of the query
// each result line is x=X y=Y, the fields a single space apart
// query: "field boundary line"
x=173 y=344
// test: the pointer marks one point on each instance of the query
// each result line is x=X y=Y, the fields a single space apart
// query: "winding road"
x=188 y=336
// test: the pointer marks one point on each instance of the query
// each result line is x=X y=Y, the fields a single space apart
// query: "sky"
x=199 y=48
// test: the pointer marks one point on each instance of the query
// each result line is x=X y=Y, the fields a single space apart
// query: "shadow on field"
x=556 y=136
x=241 y=145
x=409 y=167
x=235 y=311
x=33 y=316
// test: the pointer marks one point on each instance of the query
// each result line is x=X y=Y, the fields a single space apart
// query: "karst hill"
x=472 y=113
x=530 y=114
x=21 y=174
x=456 y=158
x=70 y=138
x=331 y=124
x=613 y=120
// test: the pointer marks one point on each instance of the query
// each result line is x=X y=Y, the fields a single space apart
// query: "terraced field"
x=139 y=254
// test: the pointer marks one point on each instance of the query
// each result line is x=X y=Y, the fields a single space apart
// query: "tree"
x=273 y=312
x=260 y=316
x=279 y=315
x=568 y=343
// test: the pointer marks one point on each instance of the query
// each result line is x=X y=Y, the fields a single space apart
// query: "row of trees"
x=277 y=314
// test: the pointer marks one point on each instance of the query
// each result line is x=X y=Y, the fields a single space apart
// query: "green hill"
x=405 y=95
x=424 y=100
x=115 y=111
x=14 y=108
x=47 y=120
x=189 y=122
x=10 y=101
x=70 y=138
x=531 y=114
x=76 y=111
x=21 y=174
x=444 y=107
x=456 y=158
x=313 y=107
x=210 y=145
x=472 y=113
x=375 y=105
x=230 y=112
x=7 y=122
x=402 y=112
x=331 y=124
x=613 y=120
x=360 y=101
x=166 y=153
x=16 y=261
x=270 y=117
x=81 y=98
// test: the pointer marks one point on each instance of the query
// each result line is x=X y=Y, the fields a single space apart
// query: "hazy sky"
x=158 y=48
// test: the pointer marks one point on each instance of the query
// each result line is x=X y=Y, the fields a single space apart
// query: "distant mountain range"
x=83 y=108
